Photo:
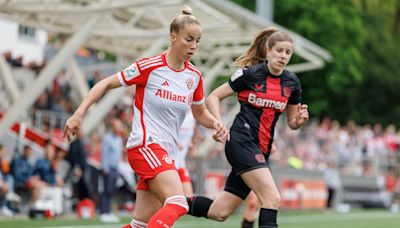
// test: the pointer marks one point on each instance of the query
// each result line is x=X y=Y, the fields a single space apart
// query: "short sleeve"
x=198 y=96
x=295 y=97
x=132 y=75
x=238 y=80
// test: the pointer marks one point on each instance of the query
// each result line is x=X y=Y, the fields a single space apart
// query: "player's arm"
x=214 y=99
x=204 y=117
x=74 y=122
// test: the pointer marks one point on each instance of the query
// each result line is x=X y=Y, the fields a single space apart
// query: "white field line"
x=282 y=220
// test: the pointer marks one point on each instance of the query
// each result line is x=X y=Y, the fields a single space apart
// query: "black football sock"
x=247 y=224
x=198 y=206
x=267 y=218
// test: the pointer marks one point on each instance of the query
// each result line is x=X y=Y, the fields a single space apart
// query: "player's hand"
x=302 y=114
x=221 y=133
x=72 y=126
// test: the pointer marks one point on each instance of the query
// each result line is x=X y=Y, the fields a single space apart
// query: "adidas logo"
x=165 y=83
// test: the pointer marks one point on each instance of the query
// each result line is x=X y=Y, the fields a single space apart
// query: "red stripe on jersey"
x=139 y=97
x=199 y=92
x=243 y=95
x=264 y=132
x=268 y=115
x=193 y=68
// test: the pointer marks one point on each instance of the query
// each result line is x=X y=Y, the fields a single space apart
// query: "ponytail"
x=257 y=52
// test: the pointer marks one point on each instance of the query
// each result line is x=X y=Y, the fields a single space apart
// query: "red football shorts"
x=148 y=161
x=184 y=175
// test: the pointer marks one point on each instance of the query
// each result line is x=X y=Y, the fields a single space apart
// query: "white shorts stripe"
x=151 y=153
x=151 y=158
x=146 y=158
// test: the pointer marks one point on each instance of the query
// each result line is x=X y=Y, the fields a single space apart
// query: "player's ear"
x=173 y=36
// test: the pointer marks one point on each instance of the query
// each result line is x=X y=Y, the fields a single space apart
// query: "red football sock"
x=174 y=208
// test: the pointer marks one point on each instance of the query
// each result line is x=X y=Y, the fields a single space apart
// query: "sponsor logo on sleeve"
x=131 y=72
x=237 y=75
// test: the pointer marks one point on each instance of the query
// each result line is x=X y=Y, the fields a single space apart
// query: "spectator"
x=3 y=191
x=6 y=184
x=77 y=158
x=7 y=176
x=333 y=183
x=45 y=168
x=22 y=170
x=111 y=155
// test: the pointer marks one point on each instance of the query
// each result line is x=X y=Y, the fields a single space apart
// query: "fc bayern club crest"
x=287 y=91
x=189 y=83
x=167 y=159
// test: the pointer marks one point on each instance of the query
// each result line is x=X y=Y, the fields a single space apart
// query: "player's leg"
x=225 y=203
x=156 y=168
x=240 y=156
x=147 y=162
x=252 y=206
x=262 y=183
x=186 y=182
x=146 y=206
x=167 y=187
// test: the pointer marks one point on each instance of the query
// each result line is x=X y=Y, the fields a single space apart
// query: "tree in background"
x=338 y=27
x=361 y=83
x=379 y=92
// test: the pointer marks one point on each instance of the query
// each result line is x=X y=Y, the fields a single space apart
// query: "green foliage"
x=249 y=4
x=361 y=83
x=380 y=88
x=338 y=27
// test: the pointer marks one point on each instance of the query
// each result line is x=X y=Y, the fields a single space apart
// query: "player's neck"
x=274 y=72
x=174 y=62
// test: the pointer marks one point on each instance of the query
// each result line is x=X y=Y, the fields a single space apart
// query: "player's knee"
x=221 y=215
x=277 y=200
x=180 y=204
x=252 y=204
x=271 y=200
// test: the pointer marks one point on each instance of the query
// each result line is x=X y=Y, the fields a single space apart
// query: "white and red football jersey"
x=163 y=97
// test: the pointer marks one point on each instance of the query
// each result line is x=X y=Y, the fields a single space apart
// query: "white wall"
x=31 y=49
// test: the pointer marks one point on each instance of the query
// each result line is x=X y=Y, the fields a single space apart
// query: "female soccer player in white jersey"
x=167 y=85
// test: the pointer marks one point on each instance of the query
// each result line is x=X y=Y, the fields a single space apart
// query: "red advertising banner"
x=303 y=194
x=214 y=183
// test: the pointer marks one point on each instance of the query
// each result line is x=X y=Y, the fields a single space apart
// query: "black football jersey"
x=263 y=98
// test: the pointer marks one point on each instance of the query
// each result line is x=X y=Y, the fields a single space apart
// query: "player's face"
x=187 y=41
x=279 y=56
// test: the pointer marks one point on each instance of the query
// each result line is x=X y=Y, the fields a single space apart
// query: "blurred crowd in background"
x=351 y=149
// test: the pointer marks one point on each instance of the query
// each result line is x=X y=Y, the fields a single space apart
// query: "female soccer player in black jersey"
x=264 y=90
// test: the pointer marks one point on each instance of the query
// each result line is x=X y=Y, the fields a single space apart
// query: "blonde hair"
x=257 y=52
x=184 y=18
